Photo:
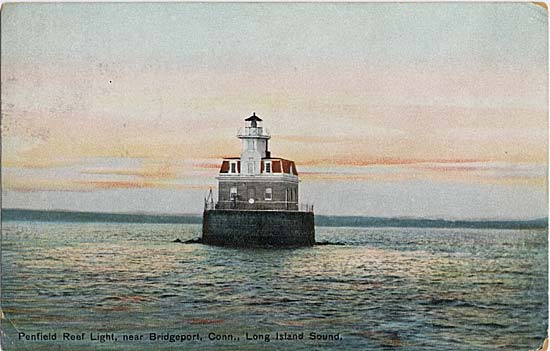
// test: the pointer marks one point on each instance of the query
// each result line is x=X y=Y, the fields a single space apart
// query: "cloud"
x=374 y=161
x=110 y=185
x=457 y=171
x=110 y=173
x=163 y=171
x=27 y=185
x=73 y=185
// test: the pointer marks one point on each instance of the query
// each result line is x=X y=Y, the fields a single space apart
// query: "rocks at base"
x=323 y=243
x=190 y=241
x=199 y=241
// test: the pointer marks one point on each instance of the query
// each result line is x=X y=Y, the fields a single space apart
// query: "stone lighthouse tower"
x=257 y=197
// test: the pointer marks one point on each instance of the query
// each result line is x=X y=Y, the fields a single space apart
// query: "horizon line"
x=159 y=214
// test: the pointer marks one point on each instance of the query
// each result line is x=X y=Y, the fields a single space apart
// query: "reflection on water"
x=415 y=289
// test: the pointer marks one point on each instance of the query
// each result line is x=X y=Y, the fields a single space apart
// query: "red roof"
x=225 y=167
x=289 y=166
x=278 y=165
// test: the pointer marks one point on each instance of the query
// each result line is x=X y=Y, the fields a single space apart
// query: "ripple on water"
x=383 y=288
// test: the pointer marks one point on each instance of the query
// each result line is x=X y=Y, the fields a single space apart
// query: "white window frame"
x=268 y=191
x=250 y=167
x=233 y=167
x=270 y=167
x=232 y=190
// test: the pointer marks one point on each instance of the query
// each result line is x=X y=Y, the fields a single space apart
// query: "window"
x=268 y=194
x=250 y=168
x=267 y=166
x=233 y=167
x=233 y=193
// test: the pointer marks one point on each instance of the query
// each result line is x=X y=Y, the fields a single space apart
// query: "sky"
x=434 y=110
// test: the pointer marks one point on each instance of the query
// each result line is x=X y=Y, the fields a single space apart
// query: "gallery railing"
x=259 y=206
x=306 y=207
x=253 y=131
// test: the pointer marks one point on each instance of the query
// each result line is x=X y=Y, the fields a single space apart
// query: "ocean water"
x=379 y=289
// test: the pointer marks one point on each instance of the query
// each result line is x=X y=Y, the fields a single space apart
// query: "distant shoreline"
x=322 y=221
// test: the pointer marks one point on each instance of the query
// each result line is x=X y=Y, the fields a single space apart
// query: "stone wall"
x=256 y=190
x=258 y=228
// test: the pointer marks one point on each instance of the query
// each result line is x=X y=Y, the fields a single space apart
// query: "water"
x=390 y=288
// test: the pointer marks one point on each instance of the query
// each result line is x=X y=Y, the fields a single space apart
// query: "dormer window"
x=267 y=166
x=233 y=167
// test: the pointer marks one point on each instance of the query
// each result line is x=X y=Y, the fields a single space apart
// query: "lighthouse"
x=257 y=197
x=255 y=180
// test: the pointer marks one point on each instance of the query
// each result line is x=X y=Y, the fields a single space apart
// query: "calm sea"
x=384 y=288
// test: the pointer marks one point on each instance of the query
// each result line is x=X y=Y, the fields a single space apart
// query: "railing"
x=253 y=131
x=306 y=207
x=209 y=204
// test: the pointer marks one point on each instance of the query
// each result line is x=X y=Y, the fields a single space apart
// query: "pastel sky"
x=422 y=110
